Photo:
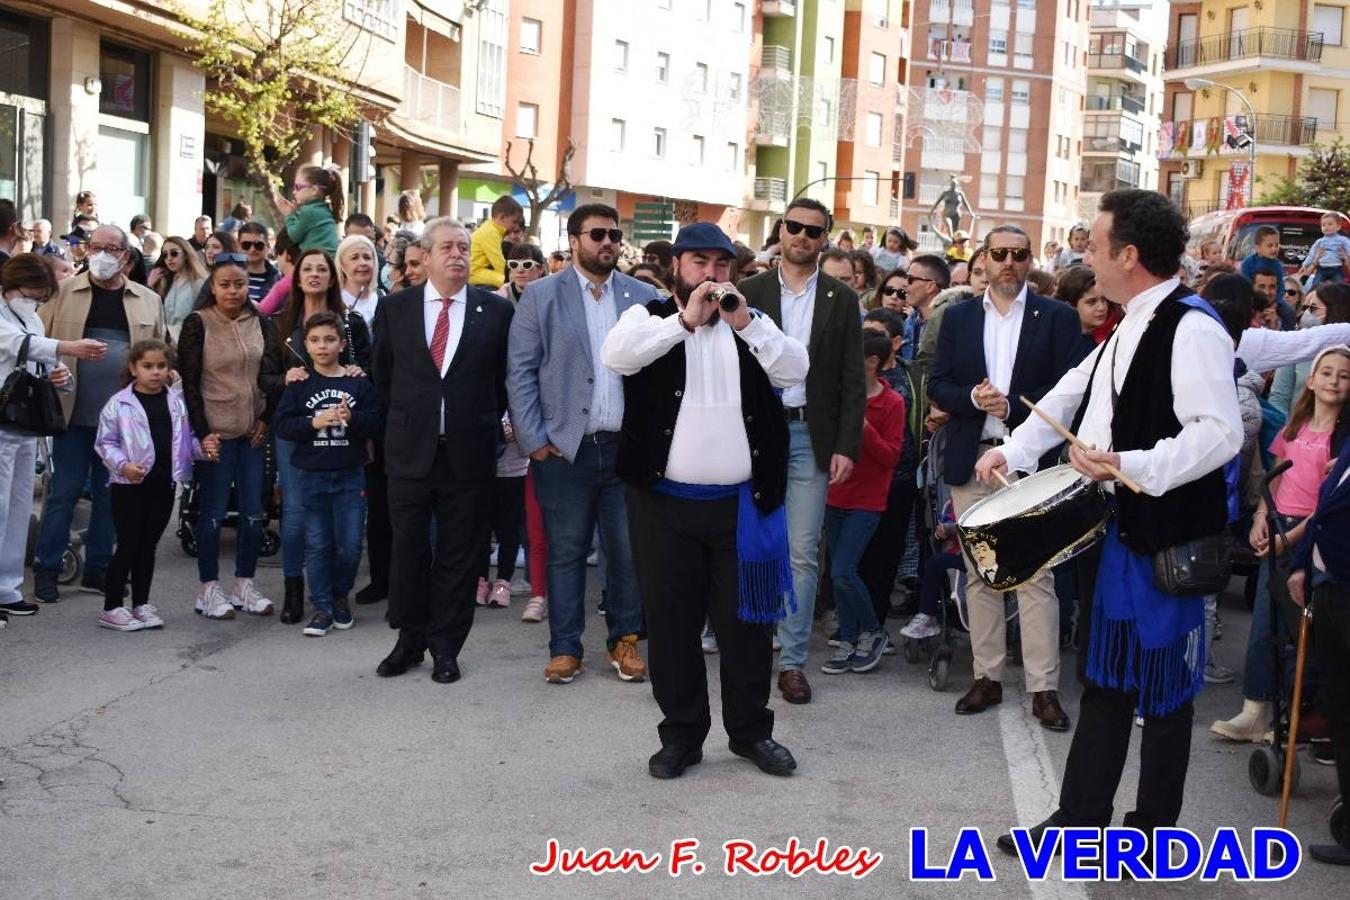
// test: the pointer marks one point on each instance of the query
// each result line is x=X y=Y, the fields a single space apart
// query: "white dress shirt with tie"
x=601 y=316
x=798 y=311
x=431 y=311
x=1204 y=401
x=1001 y=335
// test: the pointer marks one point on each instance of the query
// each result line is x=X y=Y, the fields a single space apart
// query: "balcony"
x=1236 y=51
x=773 y=127
x=780 y=9
x=775 y=61
x=943 y=105
x=952 y=51
x=430 y=102
x=1099 y=178
x=954 y=12
x=1121 y=102
x=770 y=195
x=1293 y=131
x=1116 y=62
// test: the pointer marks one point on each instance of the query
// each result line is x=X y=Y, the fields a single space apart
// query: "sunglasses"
x=889 y=291
x=599 y=234
x=224 y=259
x=253 y=245
x=524 y=265
x=999 y=254
x=1290 y=292
x=300 y=186
x=814 y=232
x=913 y=278
x=172 y=254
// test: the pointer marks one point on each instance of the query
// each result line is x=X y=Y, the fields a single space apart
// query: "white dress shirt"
x=1204 y=401
x=607 y=393
x=1263 y=350
x=798 y=311
x=1001 y=335
x=710 y=444
x=363 y=306
x=431 y=311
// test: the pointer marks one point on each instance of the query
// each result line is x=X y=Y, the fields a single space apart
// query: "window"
x=696 y=151
x=874 y=122
x=382 y=17
x=1182 y=104
x=1017 y=140
x=738 y=17
x=701 y=77
x=1322 y=105
x=1328 y=19
x=493 y=35
x=992 y=140
x=620 y=56
x=527 y=120
x=659 y=143
x=531 y=33
x=829 y=49
x=125 y=75
x=1021 y=91
x=663 y=67
x=876 y=69
x=1013 y=187
x=989 y=190
x=993 y=90
x=733 y=156
x=617 y=134
x=734 y=85
x=1022 y=45
x=998 y=42
x=871 y=188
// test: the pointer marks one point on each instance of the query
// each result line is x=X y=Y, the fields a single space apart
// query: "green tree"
x=1323 y=180
x=275 y=71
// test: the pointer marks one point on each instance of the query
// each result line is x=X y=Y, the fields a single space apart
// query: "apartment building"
x=1255 y=82
x=996 y=98
x=1124 y=98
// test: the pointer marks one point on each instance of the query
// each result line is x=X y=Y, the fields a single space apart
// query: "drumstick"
x=1073 y=439
x=1003 y=478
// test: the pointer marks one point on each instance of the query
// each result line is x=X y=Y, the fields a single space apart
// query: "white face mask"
x=1309 y=319
x=24 y=306
x=104 y=266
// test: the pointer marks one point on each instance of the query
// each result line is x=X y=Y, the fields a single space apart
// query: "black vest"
x=1143 y=416
x=651 y=404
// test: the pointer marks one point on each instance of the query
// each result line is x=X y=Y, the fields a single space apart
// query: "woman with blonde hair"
x=357 y=268
x=412 y=216
x=179 y=278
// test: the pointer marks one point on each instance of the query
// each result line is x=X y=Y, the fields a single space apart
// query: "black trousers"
x=140 y=514
x=505 y=518
x=1101 y=743
x=881 y=561
x=687 y=570
x=431 y=593
x=1331 y=635
x=379 y=535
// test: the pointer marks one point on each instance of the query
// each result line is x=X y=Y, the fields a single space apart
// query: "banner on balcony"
x=1239 y=175
x=1198 y=137
x=1213 y=136
x=1166 y=140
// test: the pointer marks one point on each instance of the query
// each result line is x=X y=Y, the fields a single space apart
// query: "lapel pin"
x=478 y=309
x=1035 y=313
x=625 y=295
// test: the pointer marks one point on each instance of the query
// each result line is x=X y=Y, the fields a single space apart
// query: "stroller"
x=190 y=501
x=72 y=561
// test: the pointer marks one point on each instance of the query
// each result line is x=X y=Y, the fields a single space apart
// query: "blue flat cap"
x=703 y=236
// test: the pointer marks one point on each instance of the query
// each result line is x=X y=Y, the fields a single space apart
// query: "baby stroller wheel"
x=1338 y=822
x=911 y=649
x=187 y=536
x=72 y=566
x=271 y=542
x=938 y=673
x=1265 y=770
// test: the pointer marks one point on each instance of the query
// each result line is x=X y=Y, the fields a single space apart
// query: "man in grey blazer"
x=567 y=411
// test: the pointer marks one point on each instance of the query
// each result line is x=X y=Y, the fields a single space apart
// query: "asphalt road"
x=239 y=759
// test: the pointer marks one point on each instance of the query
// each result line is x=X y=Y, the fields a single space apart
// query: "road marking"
x=1035 y=785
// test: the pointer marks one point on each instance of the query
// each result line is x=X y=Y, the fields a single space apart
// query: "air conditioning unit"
x=1191 y=169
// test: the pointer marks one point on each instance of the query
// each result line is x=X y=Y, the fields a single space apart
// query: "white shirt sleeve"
x=640 y=339
x=1204 y=401
x=1263 y=350
x=783 y=359
x=1034 y=437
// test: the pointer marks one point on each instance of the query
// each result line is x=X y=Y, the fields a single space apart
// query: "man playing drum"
x=1158 y=397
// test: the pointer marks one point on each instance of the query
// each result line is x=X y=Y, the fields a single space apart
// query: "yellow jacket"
x=487 y=265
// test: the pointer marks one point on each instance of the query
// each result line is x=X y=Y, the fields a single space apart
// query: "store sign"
x=187 y=146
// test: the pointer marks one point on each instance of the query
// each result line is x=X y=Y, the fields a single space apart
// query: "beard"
x=593 y=263
x=684 y=290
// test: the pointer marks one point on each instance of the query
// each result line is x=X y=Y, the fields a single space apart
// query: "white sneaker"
x=536 y=610
x=520 y=587
x=709 y=640
x=213 y=603
x=246 y=597
x=148 y=616
x=119 y=619
x=921 y=626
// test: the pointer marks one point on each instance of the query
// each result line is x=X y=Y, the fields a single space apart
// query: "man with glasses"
x=824 y=413
x=927 y=277
x=262 y=274
x=567 y=412
x=99 y=304
x=1011 y=343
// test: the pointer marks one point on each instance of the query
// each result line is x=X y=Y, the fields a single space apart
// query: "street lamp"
x=1195 y=84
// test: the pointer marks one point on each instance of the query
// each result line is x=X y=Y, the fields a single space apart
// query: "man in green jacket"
x=824 y=413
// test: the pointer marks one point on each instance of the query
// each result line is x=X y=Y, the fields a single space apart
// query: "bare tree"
x=527 y=179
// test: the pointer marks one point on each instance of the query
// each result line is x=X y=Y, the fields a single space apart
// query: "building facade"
x=1284 y=63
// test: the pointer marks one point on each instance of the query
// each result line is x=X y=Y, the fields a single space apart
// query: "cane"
x=1303 y=622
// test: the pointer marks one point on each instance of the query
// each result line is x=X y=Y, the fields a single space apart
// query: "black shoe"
x=21 y=608
x=768 y=754
x=1007 y=845
x=371 y=593
x=293 y=606
x=45 y=589
x=445 y=670
x=405 y=655
x=671 y=761
x=94 y=582
x=1331 y=854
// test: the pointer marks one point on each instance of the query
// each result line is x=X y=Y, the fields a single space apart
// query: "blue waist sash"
x=761 y=548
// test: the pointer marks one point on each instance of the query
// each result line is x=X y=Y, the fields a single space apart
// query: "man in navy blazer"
x=991 y=350
x=567 y=412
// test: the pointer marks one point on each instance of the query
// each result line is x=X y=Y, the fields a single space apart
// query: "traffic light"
x=363 y=156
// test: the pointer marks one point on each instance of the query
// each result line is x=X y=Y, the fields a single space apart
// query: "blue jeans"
x=1258 y=676
x=240 y=465
x=849 y=531
x=74 y=463
x=335 y=516
x=574 y=498
x=292 y=512
x=806 y=492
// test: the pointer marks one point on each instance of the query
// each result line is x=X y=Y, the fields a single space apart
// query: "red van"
x=1235 y=230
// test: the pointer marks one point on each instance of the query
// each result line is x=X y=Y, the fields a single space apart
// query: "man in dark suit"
x=440 y=364
x=991 y=350
x=824 y=414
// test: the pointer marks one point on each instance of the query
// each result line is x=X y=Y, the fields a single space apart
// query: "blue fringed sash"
x=761 y=547
x=1142 y=639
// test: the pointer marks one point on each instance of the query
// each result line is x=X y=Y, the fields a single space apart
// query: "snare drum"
x=1033 y=524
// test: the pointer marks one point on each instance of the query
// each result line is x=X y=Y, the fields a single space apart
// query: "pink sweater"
x=275 y=301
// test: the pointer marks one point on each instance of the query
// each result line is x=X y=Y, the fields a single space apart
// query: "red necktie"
x=440 y=337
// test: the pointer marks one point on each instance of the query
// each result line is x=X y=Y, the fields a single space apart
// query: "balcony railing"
x=952 y=51
x=1116 y=61
x=779 y=8
x=776 y=57
x=772 y=125
x=1279 y=43
x=1119 y=102
x=430 y=102
x=1097 y=178
x=1294 y=131
x=772 y=190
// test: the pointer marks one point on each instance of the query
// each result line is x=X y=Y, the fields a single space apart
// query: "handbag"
x=1197 y=568
x=28 y=402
